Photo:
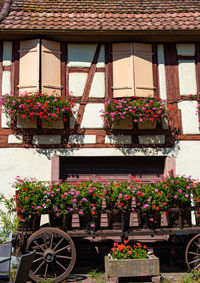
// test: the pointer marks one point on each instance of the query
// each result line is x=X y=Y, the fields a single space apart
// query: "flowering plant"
x=37 y=105
x=57 y=198
x=126 y=251
x=87 y=197
x=152 y=197
x=118 y=194
x=179 y=189
x=137 y=108
x=29 y=198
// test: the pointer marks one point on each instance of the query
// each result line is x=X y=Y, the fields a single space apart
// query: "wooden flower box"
x=146 y=267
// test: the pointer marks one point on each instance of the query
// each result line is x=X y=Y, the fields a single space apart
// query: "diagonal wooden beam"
x=86 y=92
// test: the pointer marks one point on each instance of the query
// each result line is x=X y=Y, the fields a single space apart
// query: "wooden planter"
x=63 y=222
x=145 y=222
x=117 y=220
x=179 y=217
x=86 y=220
x=147 y=125
x=147 y=267
x=125 y=124
x=32 y=225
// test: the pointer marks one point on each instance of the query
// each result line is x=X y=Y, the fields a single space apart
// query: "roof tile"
x=113 y=15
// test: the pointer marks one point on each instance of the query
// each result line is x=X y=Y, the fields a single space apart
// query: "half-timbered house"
x=99 y=50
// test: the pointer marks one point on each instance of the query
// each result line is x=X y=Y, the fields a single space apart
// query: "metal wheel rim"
x=48 y=252
x=187 y=252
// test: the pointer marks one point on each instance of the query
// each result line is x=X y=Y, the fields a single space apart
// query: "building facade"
x=100 y=50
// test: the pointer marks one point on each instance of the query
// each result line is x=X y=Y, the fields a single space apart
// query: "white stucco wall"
x=24 y=163
x=161 y=72
x=37 y=162
x=189 y=116
x=188 y=161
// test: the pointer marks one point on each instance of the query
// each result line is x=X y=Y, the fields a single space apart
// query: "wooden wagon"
x=56 y=252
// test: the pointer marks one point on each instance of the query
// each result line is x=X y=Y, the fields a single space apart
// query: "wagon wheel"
x=55 y=254
x=192 y=253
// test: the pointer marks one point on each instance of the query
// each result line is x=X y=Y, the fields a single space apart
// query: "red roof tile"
x=103 y=15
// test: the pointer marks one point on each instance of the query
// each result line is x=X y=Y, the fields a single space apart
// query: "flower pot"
x=132 y=267
x=25 y=123
x=147 y=125
x=124 y=124
x=63 y=222
x=57 y=124
x=32 y=224
x=118 y=219
x=149 y=219
x=86 y=220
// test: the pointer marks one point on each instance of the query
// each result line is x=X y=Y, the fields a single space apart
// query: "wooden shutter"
x=29 y=60
x=51 y=67
x=123 y=79
x=143 y=69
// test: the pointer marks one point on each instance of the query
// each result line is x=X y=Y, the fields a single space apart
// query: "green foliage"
x=8 y=218
x=193 y=277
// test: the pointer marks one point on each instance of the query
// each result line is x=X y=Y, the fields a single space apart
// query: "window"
x=132 y=70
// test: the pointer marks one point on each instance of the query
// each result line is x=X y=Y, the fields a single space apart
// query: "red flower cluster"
x=38 y=105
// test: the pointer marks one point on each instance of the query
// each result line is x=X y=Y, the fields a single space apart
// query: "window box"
x=146 y=111
x=147 y=125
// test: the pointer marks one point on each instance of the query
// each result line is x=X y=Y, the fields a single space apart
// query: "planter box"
x=133 y=268
x=58 y=124
x=25 y=123
x=147 y=125
x=126 y=124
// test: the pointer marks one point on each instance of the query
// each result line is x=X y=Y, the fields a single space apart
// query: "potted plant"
x=179 y=189
x=8 y=220
x=59 y=205
x=37 y=106
x=87 y=202
x=127 y=260
x=145 y=111
x=151 y=202
x=118 y=195
x=29 y=199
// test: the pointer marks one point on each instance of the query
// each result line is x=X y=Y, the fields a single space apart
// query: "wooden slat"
x=123 y=70
x=143 y=69
x=51 y=67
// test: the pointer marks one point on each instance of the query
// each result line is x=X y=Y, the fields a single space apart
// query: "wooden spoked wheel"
x=55 y=254
x=192 y=253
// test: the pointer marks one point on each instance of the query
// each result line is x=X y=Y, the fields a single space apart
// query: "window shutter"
x=123 y=79
x=51 y=67
x=29 y=65
x=143 y=69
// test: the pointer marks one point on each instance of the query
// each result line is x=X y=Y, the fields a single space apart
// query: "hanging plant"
x=37 y=106
x=139 y=109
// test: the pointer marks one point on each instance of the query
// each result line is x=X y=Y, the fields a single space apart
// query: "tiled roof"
x=103 y=15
